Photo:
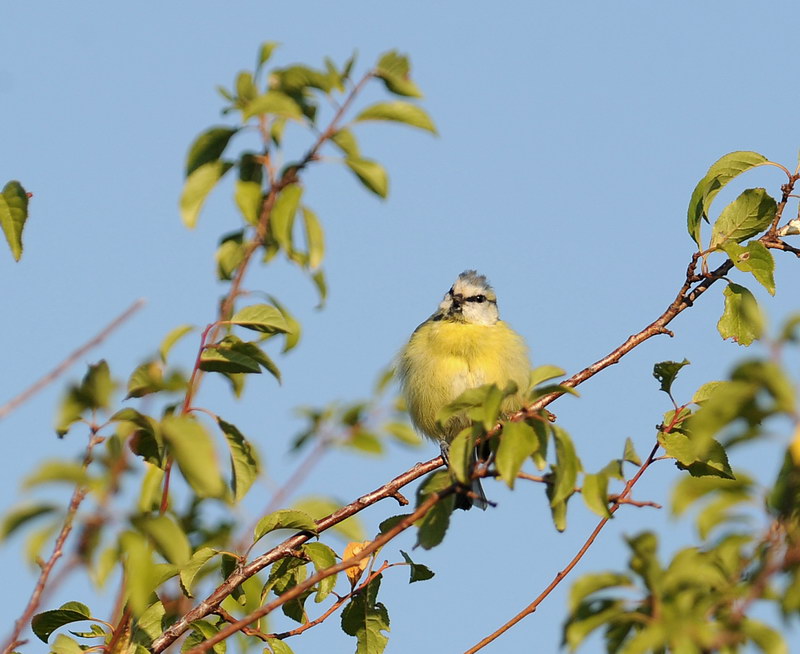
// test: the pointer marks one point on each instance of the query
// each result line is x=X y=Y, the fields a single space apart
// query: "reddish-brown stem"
x=78 y=496
x=187 y=403
x=56 y=372
x=575 y=559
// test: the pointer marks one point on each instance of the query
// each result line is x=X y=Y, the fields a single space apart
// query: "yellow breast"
x=443 y=359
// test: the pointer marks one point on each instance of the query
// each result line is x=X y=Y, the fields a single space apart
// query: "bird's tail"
x=475 y=497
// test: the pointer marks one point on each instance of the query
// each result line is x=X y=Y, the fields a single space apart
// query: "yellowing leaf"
x=354 y=549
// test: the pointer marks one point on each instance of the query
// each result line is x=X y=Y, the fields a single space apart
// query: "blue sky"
x=571 y=136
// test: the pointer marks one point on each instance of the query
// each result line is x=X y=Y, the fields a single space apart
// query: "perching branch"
x=300 y=588
x=247 y=570
x=56 y=372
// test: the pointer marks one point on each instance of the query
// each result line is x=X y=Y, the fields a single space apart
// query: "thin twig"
x=56 y=372
x=78 y=496
x=563 y=573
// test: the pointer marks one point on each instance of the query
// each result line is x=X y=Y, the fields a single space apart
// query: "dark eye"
x=478 y=298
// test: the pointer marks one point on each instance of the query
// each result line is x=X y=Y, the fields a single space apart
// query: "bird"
x=464 y=344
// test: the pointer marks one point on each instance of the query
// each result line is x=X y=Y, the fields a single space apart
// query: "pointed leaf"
x=45 y=623
x=398 y=111
x=315 y=238
x=322 y=557
x=371 y=174
x=169 y=539
x=517 y=442
x=244 y=465
x=172 y=338
x=13 y=215
x=545 y=373
x=261 y=318
x=193 y=449
x=748 y=215
x=284 y=519
x=630 y=454
x=595 y=494
x=197 y=187
x=275 y=103
x=283 y=215
x=196 y=562
x=718 y=175
x=346 y=142
x=208 y=147
x=419 y=572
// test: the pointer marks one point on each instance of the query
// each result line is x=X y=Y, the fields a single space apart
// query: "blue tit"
x=464 y=344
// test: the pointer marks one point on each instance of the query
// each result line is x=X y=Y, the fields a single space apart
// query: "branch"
x=78 y=496
x=561 y=575
x=245 y=571
x=300 y=588
x=56 y=372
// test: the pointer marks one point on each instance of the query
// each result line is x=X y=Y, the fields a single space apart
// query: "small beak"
x=457 y=302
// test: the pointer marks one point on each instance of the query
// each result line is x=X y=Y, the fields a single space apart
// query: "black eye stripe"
x=476 y=298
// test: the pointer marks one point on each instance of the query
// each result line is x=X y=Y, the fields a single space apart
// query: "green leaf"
x=167 y=536
x=545 y=373
x=592 y=582
x=666 y=372
x=588 y=617
x=45 y=623
x=567 y=466
x=404 y=433
x=198 y=185
x=366 y=619
x=13 y=215
x=432 y=527
x=293 y=328
x=754 y=258
x=261 y=318
x=149 y=378
x=278 y=646
x=595 y=493
x=172 y=338
x=284 y=519
x=700 y=456
x=94 y=392
x=65 y=645
x=274 y=103
x=393 y=68
x=706 y=391
x=248 y=197
x=223 y=358
x=346 y=142
x=208 y=147
x=244 y=465
x=748 y=215
x=202 y=631
x=281 y=220
x=265 y=52
x=246 y=88
x=767 y=639
x=398 y=111
x=419 y=572
x=461 y=455
x=193 y=449
x=742 y=319
x=718 y=175
x=230 y=254
x=20 y=516
x=196 y=562
x=351 y=529
x=630 y=454
x=322 y=557
x=315 y=238
x=517 y=442
x=57 y=471
x=371 y=174
x=318 y=278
